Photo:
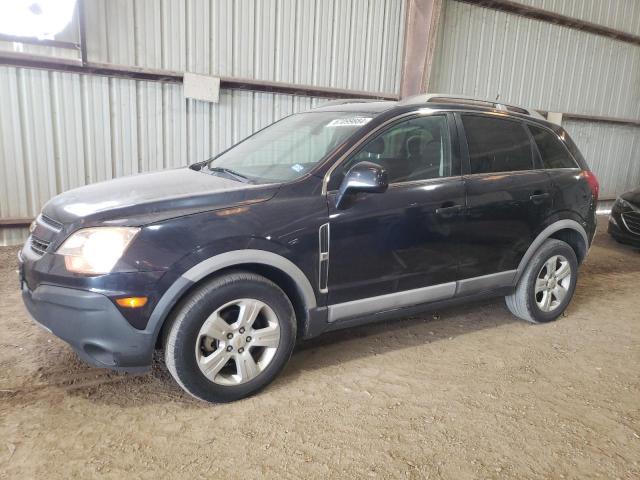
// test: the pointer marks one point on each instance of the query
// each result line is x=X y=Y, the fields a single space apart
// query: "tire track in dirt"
x=62 y=384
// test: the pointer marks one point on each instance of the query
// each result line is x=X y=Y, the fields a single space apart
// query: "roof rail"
x=465 y=100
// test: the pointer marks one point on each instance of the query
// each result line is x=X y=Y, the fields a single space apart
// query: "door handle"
x=448 y=210
x=539 y=197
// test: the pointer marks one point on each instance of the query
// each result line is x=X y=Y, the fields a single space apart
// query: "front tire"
x=547 y=284
x=230 y=337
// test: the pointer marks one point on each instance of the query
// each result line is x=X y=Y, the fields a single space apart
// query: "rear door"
x=507 y=193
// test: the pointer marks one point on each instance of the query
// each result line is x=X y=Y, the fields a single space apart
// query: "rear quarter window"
x=497 y=145
x=554 y=154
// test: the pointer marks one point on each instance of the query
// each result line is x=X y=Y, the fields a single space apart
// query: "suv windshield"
x=289 y=148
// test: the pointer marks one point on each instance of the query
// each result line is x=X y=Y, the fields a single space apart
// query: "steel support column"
x=421 y=31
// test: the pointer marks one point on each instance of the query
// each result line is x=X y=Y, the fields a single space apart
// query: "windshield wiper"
x=234 y=174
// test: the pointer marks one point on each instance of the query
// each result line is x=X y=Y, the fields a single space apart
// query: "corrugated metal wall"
x=62 y=130
x=490 y=54
x=613 y=153
x=618 y=14
x=66 y=130
x=355 y=44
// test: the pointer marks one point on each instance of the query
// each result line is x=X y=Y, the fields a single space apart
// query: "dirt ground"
x=467 y=392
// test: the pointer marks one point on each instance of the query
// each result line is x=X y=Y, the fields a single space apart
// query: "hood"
x=632 y=196
x=152 y=197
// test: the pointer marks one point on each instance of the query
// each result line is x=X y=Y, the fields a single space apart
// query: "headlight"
x=624 y=204
x=96 y=250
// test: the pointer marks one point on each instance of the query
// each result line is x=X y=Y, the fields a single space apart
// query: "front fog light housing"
x=96 y=250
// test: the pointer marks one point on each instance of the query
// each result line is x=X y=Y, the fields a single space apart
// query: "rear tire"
x=547 y=284
x=230 y=337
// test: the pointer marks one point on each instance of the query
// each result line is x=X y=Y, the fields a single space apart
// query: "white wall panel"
x=491 y=54
x=13 y=236
x=67 y=112
x=63 y=130
x=612 y=152
x=354 y=44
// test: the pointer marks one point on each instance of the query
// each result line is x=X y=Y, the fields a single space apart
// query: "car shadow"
x=330 y=349
x=341 y=346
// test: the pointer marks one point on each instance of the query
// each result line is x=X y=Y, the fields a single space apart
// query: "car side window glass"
x=553 y=153
x=415 y=149
x=497 y=145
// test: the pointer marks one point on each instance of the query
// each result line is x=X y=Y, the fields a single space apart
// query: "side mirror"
x=362 y=177
x=198 y=166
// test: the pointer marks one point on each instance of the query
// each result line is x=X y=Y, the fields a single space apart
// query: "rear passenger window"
x=553 y=153
x=497 y=145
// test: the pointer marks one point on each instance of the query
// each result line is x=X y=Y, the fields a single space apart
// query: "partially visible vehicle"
x=624 y=221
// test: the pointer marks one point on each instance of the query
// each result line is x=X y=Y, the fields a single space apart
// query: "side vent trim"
x=323 y=262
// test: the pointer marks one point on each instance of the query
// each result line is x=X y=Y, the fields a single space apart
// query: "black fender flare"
x=544 y=235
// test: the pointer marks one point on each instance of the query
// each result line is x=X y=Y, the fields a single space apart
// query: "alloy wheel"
x=237 y=341
x=553 y=283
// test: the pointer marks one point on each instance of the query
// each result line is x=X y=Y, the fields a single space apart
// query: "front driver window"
x=415 y=149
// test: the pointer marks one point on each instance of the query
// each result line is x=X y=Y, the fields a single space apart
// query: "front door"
x=406 y=238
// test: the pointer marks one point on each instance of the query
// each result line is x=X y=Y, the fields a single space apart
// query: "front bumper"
x=618 y=231
x=92 y=325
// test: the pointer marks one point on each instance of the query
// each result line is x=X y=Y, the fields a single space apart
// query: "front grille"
x=632 y=221
x=44 y=233
x=39 y=246
x=51 y=222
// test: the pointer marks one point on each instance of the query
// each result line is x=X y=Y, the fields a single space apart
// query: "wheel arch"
x=575 y=241
x=274 y=267
x=567 y=230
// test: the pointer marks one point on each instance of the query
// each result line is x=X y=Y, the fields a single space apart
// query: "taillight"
x=593 y=183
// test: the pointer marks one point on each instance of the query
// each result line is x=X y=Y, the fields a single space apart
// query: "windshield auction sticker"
x=349 y=122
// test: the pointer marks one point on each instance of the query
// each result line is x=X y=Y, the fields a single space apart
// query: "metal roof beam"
x=555 y=18
x=138 y=73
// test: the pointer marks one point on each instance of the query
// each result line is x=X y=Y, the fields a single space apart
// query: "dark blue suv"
x=348 y=213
